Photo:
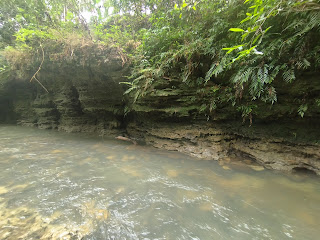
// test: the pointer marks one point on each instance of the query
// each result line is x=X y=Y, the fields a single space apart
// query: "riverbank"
x=225 y=142
x=81 y=106
x=90 y=98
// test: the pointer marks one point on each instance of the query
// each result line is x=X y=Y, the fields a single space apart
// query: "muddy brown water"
x=75 y=186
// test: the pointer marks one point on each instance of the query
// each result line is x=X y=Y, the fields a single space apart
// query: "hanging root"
x=34 y=75
x=41 y=85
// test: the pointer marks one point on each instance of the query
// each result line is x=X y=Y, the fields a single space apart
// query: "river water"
x=55 y=185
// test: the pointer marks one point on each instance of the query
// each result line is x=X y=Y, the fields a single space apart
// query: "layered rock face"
x=277 y=139
x=90 y=99
x=225 y=142
x=79 y=99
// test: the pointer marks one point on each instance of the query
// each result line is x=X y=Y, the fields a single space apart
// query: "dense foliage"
x=231 y=52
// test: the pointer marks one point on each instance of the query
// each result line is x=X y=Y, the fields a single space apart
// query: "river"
x=56 y=185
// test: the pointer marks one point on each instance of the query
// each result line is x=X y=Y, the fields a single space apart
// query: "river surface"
x=55 y=185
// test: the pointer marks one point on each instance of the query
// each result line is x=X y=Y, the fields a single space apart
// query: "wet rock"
x=3 y=190
x=257 y=168
x=303 y=171
x=172 y=173
x=27 y=223
x=217 y=142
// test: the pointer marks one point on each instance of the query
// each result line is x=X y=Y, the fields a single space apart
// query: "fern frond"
x=289 y=75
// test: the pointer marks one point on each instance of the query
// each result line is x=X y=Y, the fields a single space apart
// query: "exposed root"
x=41 y=85
x=34 y=75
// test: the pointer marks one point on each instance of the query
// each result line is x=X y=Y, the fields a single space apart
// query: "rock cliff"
x=232 y=142
x=80 y=98
x=277 y=139
x=89 y=98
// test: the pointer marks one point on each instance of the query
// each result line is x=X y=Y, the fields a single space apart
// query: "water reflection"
x=72 y=186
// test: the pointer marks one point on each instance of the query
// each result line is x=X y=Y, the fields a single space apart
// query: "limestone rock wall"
x=224 y=142
x=89 y=98
x=170 y=117
x=80 y=98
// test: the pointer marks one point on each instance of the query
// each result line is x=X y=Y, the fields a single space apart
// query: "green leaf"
x=302 y=109
x=246 y=19
x=233 y=48
x=267 y=29
x=256 y=38
x=236 y=30
x=250 y=49
x=244 y=36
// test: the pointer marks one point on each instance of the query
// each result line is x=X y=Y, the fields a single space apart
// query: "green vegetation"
x=237 y=53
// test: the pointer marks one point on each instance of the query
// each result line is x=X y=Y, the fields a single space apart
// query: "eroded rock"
x=217 y=142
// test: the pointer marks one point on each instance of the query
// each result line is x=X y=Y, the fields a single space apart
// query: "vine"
x=35 y=74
